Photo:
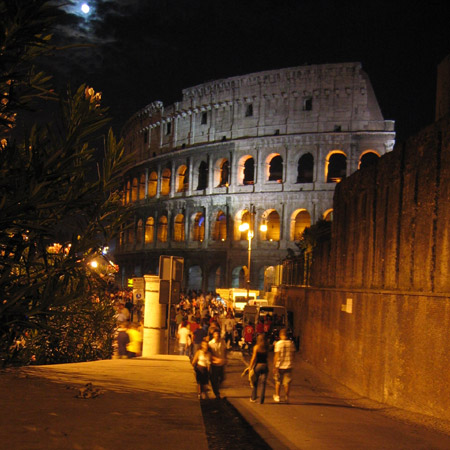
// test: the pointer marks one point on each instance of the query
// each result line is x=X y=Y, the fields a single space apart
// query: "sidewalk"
x=142 y=404
x=322 y=414
x=152 y=404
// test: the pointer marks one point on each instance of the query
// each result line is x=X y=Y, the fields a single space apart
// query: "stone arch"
x=271 y=218
x=246 y=170
x=139 y=233
x=182 y=178
x=238 y=277
x=130 y=235
x=300 y=219
x=335 y=166
x=215 y=278
x=165 y=181
x=162 y=229
x=202 y=176
x=222 y=172
x=134 y=190
x=141 y=194
x=198 y=227
x=242 y=216
x=219 y=231
x=152 y=184
x=368 y=158
x=128 y=192
x=305 y=168
x=178 y=228
x=266 y=278
x=195 y=278
x=328 y=215
x=149 y=230
x=274 y=167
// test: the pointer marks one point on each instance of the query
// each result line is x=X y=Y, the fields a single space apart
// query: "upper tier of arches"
x=172 y=178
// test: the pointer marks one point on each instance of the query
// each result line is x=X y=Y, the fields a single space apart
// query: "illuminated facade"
x=265 y=148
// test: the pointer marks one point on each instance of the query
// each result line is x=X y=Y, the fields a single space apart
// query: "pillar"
x=154 y=319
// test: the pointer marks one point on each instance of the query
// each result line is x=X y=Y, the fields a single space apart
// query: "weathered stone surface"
x=393 y=345
x=324 y=111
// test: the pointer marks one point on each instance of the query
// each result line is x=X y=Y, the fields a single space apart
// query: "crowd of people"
x=205 y=329
x=130 y=325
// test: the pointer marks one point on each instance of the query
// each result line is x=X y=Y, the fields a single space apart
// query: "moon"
x=85 y=8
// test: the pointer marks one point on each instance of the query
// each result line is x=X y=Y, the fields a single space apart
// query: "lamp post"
x=249 y=227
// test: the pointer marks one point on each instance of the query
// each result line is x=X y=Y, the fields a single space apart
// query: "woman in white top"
x=201 y=362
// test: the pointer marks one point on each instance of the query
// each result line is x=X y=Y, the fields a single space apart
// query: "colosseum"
x=238 y=168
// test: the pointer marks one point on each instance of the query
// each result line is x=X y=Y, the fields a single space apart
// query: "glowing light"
x=94 y=264
x=85 y=8
x=244 y=226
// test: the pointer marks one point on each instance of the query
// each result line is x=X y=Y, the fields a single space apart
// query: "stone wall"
x=379 y=322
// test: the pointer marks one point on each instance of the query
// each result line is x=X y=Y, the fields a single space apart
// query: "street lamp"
x=249 y=228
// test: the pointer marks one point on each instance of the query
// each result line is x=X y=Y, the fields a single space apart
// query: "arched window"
x=328 y=215
x=220 y=227
x=300 y=220
x=149 y=230
x=202 y=176
x=336 y=167
x=245 y=218
x=152 y=184
x=182 y=179
x=305 y=169
x=276 y=169
x=178 y=228
x=139 y=232
x=134 y=190
x=368 y=159
x=272 y=220
x=198 y=231
x=125 y=194
x=249 y=171
x=165 y=182
x=162 y=229
x=224 y=173
x=142 y=187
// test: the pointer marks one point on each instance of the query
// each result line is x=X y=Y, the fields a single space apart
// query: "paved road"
x=316 y=418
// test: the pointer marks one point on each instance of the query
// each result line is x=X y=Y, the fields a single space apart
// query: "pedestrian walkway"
x=324 y=415
x=152 y=404
x=133 y=403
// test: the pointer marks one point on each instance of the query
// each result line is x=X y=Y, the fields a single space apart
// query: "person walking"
x=228 y=325
x=283 y=362
x=122 y=340
x=201 y=362
x=135 y=340
x=259 y=365
x=184 y=338
x=218 y=349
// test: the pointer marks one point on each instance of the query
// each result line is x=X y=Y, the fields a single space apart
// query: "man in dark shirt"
x=199 y=335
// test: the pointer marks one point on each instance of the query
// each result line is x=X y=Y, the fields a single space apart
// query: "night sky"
x=147 y=50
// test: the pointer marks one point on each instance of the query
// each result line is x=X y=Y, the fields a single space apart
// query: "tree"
x=313 y=235
x=52 y=191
